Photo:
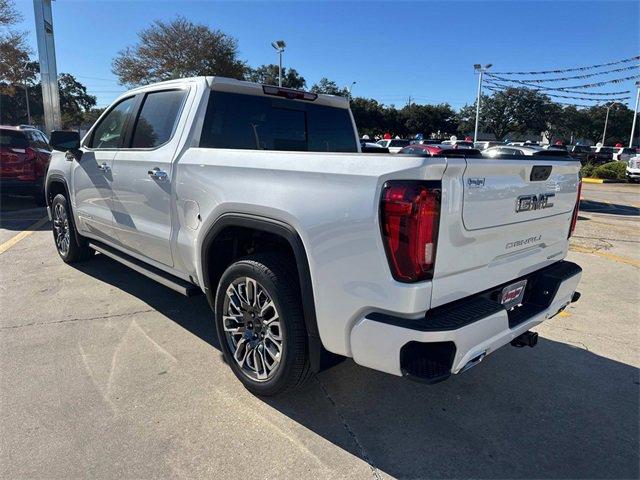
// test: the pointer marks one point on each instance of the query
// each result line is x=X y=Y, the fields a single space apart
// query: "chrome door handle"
x=103 y=167
x=157 y=174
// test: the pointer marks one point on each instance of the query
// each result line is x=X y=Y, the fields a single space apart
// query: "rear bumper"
x=460 y=334
x=633 y=172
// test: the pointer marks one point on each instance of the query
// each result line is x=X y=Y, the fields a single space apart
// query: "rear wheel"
x=70 y=246
x=260 y=324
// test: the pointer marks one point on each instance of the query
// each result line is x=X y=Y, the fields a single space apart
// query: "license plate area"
x=512 y=295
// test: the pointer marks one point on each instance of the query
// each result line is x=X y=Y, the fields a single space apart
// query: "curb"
x=602 y=180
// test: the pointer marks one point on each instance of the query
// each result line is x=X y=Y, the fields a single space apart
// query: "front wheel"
x=260 y=324
x=70 y=246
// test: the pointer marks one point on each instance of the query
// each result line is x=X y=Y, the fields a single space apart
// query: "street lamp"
x=26 y=91
x=279 y=45
x=635 y=115
x=477 y=68
x=349 y=88
x=606 y=120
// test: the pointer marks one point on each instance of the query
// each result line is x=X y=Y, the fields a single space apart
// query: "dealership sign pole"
x=479 y=69
x=48 y=70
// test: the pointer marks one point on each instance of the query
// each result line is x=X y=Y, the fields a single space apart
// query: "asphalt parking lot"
x=107 y=374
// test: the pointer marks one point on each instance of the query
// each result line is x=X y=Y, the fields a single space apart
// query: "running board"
x=174 y=283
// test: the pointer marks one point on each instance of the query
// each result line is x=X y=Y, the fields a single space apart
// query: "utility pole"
x=279 y=45
x=481 y=70
x=48 y=69
x=635 y=115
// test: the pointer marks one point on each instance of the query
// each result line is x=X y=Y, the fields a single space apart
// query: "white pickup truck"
x=307 y=250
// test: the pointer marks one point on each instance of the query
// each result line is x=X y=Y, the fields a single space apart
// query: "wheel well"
x=234 y=242
x=54 y=188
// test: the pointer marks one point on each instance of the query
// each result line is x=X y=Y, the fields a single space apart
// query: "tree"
x=75 y=102
x=368 y=115
x=268 y=75
x=175 y=49
x=8 y=14
x=329 y=87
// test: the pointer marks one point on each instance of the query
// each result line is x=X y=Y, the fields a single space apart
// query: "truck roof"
x=224 y=84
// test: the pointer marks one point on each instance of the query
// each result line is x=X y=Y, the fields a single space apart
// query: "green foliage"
x=329 y=87
x=611 y=170
x=586 y=171
x=268 y=75
x=175 y=49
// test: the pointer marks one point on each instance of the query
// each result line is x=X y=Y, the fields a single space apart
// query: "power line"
x=573 y=69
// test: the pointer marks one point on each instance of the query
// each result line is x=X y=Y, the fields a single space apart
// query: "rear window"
x=261 y=123
x=13 y=139
x=399 y=143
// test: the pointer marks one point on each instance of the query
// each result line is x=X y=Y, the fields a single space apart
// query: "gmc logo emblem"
x=526 y=203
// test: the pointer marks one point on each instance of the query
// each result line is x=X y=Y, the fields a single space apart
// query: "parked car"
x=603 y=154
x=633 y=169
x=483 y=145
x=394 y=145
x=307 y=251
x=623 y=154
x=367 y=147
x=459 y=143
x=515 y=152
x=584 y=153
x=24 y=160
x=440 y=151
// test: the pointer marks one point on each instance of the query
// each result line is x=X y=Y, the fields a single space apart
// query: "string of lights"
x=573 y=69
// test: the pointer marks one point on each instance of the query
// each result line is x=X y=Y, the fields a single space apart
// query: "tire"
x=70 y=246
x=249 y=335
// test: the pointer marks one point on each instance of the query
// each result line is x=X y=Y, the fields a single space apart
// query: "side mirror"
x=65 y=140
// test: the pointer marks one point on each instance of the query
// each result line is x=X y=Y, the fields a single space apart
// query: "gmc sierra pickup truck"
x=307 y=250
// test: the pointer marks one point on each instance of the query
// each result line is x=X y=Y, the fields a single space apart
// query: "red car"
x=440 y=150
x=24 y=160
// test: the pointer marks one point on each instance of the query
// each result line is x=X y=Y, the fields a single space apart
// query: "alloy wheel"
x=252 y=329
x=61 y=228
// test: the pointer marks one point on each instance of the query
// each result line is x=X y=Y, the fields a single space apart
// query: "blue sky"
x=393 y=50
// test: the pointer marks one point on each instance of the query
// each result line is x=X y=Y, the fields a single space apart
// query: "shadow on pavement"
x=20 y=213
x=555 y=411
x=592 y=206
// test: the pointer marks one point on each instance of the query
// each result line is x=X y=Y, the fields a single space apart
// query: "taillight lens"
x=409 y=215
x=31 y=154
x=576 y=209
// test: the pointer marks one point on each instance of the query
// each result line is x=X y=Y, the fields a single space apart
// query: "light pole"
x=26 y=92
x=606 y=120
x=279 y=45
x=479 y=69
x=635 y=115
x=350 y=88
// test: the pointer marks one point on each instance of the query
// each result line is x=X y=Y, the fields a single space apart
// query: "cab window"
x=109 y=132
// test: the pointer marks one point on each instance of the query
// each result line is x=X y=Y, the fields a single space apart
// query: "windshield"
x=261 y=123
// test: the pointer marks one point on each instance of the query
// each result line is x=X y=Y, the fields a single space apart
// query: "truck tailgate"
x=501 y=219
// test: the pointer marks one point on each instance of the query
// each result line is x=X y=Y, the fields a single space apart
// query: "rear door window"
x=13 y=139
x=158 y=118
x=261 y=123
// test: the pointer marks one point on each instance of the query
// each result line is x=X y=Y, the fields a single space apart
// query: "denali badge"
x=526 y=203
x=524 y=241
x=475 y=182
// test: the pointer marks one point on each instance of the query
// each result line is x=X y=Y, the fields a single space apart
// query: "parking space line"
x=22 y=235
x=610 y=256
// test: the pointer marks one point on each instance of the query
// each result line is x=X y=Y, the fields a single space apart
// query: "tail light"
x=409 y=216
x=574 y=217
x=30 y=153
